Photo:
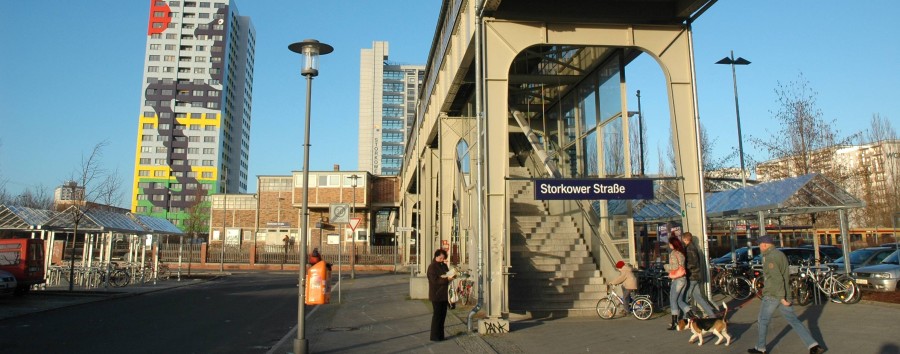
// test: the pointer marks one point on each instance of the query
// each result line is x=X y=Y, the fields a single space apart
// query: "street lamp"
x=641 y=131
x=739 y=61
x=353 y=183
x=309 y=49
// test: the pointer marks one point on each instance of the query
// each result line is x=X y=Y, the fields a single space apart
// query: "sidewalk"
x=376 y=316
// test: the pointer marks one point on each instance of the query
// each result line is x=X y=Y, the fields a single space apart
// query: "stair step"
x=551 y=275
x=556 y=250
x=539 y=260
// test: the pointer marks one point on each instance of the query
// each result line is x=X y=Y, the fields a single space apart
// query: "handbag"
x=677 y=273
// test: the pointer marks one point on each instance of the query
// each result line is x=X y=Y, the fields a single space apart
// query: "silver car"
x=882 y=277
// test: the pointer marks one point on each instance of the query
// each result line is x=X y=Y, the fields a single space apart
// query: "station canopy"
x=790 y=196
x=91 y=220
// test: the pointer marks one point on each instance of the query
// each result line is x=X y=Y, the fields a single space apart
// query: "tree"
x=40 y=198
x=804 y=143
x=713 y=167
x=89 y=183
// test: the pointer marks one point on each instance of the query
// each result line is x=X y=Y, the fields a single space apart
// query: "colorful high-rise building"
x=387 y=109
x=193 y=135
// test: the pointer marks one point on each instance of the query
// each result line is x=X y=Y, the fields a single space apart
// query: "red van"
x=24 y=258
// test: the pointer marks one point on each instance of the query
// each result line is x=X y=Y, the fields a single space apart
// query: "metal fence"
x=278 y=254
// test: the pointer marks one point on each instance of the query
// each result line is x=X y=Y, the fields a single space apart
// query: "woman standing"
x=679 y=281
x=437 y=292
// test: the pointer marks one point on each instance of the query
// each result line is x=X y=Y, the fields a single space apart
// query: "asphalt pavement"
x=375 y=315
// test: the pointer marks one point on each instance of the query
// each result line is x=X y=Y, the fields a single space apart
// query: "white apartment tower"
x=387 y=109
x=193 y=134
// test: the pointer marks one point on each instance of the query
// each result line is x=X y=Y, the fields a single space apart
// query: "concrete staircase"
x=555 y=274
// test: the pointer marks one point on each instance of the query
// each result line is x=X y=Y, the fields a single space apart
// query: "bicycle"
x=608 y=307
x=463 y=288
x=735 y=284
x=840 y=288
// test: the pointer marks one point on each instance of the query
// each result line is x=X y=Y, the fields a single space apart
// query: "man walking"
x=695 y=275
x=777 y=295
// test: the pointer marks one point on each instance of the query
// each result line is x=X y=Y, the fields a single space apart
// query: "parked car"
x=890 y=245
x=827 y=253
x=796 y=256
x=862 y=257
x=742 y=256
x=881 y=277
x=8 y=283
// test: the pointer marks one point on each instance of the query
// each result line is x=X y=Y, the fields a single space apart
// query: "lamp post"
x=353 y=183
x=309 y=49
x=641 y=131
x=739 y=61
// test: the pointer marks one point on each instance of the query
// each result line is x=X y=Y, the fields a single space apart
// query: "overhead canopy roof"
x=14 y=217
x=94 y=220
x=790 y=196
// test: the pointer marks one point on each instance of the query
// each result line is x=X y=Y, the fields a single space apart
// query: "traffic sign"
x=405 y=229
x=339 y=213
x=354 y=222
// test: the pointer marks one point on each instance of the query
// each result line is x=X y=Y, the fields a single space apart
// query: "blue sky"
x=70 y=76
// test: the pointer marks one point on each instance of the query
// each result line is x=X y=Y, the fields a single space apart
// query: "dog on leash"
x=701 y=326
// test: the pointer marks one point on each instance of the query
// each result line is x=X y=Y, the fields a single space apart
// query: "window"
x=159 y=198
x=209 y=139
x=210 y=128
x=154 y=47
x=190 y=186
x=190 y=198
x=192 y=162
x=212 y=105
x=146 y=137
x=147 y=125
x=177 y=162
x=175 y=186
x=162 y=138
x=144 y=185
x=152 y=69
x=146 y=149
x=193 y=150
x=159 y=173
x=194 y=139
x=148 y=114
x=144 y=173
x=195 y=127
x=153 y=58
x=164 y=126
x=209 y=151
x=159 y=162
x=141 y=209
x=206 y=187
x=200 y=71
x=199 y=93
x=208 y=163
x=145 y=161
x=212 y=93
x=169 y=58
x=142 y=197
x=206 y=174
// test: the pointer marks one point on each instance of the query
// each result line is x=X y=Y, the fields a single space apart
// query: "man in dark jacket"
x=438 y=283
x=695 y=274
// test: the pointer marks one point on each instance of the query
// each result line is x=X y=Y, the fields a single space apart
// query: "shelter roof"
x=790 y=196
x=13 y=217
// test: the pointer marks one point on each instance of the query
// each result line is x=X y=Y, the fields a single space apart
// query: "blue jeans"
x=767 y=308
x=695 y=293
x=676 y=295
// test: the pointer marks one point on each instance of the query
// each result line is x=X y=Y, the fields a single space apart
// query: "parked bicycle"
x=463 y=288
x=613 y=304
x=654 y=281
x=840 y=288
x=730 y=280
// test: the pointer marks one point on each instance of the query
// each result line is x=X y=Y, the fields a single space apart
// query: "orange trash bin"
x=318 y=287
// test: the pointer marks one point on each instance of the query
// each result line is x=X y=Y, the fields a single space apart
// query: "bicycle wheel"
x=607 y=309
x=801 y=290
x=843 y=288
x=119 y=278
x=462 y=294
x=642 y=308
x=739 y=288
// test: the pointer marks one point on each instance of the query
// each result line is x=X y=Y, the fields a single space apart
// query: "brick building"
x=265 y=218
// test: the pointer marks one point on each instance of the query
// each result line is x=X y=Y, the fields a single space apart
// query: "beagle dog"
x=702 y=326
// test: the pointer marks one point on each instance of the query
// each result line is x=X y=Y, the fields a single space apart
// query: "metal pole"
x=353 y=233
x=301 y=344
x=641 y=131
x=737 y=112
x=224 y=217
x=180 y=252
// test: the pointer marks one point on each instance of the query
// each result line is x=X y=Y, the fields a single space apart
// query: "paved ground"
x=376 y=316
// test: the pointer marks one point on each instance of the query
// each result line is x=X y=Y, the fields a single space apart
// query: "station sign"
x=593 y=189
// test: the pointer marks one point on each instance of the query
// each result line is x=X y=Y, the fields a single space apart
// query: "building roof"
x=21 y=218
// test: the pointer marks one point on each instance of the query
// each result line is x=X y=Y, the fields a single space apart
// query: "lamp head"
x=310 y=49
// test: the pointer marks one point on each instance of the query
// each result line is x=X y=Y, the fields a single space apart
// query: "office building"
x=387 y=109
x=195 y=116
